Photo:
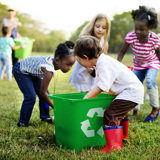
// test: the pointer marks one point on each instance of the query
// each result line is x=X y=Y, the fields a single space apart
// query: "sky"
x=68 y=15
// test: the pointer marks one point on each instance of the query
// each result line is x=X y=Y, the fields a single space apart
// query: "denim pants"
x=150 y=75
x=30 y=87
x=6 y=62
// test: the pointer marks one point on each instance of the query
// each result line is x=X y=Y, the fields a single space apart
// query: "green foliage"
x=120 y=26
x=45 y=41
x=38 y=142
x=3 y=14
x=75 y=35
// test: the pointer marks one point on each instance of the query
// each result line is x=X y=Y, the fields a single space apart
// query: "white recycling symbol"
x=86 y=123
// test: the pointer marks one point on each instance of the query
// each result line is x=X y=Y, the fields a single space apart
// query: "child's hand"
x=19 y=24
x=90 y=70
x=23 y=46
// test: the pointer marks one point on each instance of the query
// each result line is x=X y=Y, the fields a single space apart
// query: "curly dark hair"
x=64 y=49
x=148 y=15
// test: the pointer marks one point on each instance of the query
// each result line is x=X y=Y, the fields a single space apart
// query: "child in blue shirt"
x=6 y=45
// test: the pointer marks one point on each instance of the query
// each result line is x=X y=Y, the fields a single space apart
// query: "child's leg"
x=135 y=111
x=44 y=109
x=27 y=88
x=117 y=110
x=3 y=63
x=14 y=59
x=141 y=76
x=9 y=68
x=152 y=90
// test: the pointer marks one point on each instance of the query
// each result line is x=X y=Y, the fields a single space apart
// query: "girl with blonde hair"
x=99 y=27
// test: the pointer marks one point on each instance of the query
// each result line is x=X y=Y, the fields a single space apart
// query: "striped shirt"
x=32 y=65
x=144 y=55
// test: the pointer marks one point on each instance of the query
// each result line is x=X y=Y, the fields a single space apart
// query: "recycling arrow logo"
x=86 y=124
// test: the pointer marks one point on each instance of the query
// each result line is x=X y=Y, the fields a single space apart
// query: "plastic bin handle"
x=114 y=123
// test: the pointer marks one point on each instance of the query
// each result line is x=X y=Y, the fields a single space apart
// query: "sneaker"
x=48 y=120
x=150 y=119
x=20 y=124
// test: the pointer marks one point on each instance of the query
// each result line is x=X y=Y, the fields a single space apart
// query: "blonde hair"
x=89 y=28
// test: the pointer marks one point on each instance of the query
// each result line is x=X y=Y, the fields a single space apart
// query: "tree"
x=45 y=41
x=3 y=9
x=120 y=26
x=75 y=35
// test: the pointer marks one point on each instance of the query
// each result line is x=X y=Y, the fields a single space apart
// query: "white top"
x=115 y=78
x=9 y=23
x=80 y=77
x=50 y=67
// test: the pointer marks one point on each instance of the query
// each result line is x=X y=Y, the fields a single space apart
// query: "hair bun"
x=69 y=44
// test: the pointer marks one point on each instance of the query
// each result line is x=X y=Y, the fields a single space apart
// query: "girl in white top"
x=82 y=78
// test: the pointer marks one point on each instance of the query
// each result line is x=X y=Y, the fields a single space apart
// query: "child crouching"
x=114 y=78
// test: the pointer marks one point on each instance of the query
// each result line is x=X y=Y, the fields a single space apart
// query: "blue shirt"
x=6 y=44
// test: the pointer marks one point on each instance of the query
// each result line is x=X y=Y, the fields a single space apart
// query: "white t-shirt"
x=115 y=78
x=80 y=77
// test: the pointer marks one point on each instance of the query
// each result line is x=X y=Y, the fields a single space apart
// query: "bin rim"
x=57 y=96
x=23 y=38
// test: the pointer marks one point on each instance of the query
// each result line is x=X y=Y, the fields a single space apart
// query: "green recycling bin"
x=78 y=121
x=24 y=52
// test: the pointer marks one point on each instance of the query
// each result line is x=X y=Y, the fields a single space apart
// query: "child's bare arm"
x=158 y=53
x=123 y=51
x=93 y=93
x=17 y=47
x=44 y=86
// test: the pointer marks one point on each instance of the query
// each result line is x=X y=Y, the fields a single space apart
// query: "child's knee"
x=30 y=99
x=149 y=82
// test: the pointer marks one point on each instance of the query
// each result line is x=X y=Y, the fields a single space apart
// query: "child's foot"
x=135 y=113
x=20 y=124
x=48 y=120
x=153 y=115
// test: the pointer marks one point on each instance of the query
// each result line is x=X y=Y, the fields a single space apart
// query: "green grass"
x=37 y=140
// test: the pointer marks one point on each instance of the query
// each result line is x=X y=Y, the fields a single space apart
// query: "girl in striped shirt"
x=146 y=54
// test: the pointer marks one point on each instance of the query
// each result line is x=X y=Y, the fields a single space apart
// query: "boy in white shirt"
x=114 y=78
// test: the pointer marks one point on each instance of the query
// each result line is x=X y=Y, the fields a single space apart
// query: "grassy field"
x=37 y=140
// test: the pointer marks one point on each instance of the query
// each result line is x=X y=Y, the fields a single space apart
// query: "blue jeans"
x=30 y=87
x=150 y=75
x=6 y=62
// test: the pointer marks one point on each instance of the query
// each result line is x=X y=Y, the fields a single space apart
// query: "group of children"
x=115 y=78
x=96 y=72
